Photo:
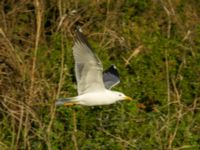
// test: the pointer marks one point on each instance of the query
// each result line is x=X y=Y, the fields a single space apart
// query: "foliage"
x=154 y=44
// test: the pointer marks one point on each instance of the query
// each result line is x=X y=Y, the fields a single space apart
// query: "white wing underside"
x=88 y=67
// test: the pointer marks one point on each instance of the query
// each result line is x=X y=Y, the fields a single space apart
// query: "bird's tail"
x=62 y=101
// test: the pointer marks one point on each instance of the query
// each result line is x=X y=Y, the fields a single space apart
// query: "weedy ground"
x=154 y=44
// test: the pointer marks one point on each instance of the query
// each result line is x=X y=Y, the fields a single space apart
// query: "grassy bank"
x=154 y=44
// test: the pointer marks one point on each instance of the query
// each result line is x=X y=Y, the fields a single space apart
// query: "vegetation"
x=154 y=44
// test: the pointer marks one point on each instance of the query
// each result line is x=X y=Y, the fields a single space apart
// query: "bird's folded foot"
x=69 y=104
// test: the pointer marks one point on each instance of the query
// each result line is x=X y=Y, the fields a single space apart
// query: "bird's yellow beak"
x=128 y=98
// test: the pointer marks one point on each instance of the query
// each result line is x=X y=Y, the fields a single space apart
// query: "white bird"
x=93 y=85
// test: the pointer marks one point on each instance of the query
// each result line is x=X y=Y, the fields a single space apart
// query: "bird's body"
x=104 y=97
x=93 y=85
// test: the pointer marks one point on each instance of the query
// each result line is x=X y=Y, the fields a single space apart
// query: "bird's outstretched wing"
x=111 y=77
x=88 y=67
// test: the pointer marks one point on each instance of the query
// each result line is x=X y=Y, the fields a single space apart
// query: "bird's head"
x=121 y=96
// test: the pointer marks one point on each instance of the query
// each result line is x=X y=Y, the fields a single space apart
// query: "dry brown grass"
x=36 y=68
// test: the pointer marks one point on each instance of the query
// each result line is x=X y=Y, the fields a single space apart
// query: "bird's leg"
x=69 y=104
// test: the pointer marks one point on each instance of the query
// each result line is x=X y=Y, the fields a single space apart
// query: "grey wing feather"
x=111 y=77
x=88 y=67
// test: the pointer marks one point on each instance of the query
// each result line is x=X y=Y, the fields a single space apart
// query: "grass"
x=154 y=44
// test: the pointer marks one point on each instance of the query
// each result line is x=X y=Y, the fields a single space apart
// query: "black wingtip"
x=78 y=29
x=80 y=37
x=113 y=69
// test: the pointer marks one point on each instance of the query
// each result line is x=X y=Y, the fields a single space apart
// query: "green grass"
x=154 y=44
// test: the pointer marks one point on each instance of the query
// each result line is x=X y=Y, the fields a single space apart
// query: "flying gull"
x=94 y=85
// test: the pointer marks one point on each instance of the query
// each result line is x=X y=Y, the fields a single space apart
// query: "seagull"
x=93 y=85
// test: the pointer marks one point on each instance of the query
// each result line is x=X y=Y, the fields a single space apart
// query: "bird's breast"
x=96 y=98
